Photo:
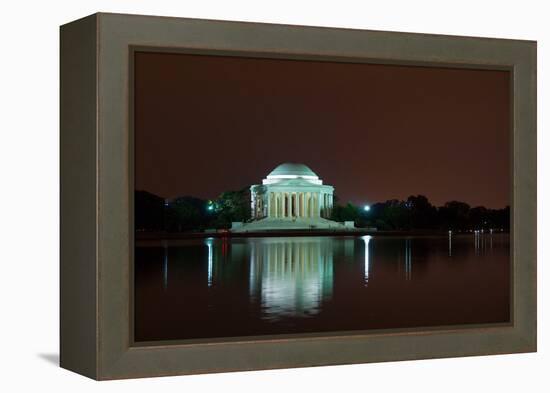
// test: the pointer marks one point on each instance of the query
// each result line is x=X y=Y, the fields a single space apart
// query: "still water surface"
x=205 y=288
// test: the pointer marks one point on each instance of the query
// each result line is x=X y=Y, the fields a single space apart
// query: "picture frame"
x=96 y=174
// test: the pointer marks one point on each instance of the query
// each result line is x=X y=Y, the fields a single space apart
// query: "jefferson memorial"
x=291 y=197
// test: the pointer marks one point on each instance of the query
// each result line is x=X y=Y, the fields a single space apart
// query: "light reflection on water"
x=273 y=283
x=366 y=239
x=290 y=276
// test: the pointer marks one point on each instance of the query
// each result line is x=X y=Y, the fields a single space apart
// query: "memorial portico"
x=291 y=197
x=291 y=191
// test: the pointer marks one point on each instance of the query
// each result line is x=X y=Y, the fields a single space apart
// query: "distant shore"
x=144 y=235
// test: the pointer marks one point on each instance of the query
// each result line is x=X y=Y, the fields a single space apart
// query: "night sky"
x=208 y=124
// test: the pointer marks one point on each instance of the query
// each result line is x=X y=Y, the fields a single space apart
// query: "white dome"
x=292 y=170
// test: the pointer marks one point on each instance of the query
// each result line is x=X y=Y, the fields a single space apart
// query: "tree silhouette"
x=415 y=213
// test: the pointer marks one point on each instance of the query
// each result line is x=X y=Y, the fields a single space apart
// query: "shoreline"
x=295 y=233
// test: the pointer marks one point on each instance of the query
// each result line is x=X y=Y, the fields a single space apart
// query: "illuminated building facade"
x=291 y=191
x=291 y=197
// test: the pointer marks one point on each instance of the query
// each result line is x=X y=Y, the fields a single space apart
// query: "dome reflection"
x=290 y=277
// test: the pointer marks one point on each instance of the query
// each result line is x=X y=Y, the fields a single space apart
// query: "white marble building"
x=291 y=191
x=291 y=197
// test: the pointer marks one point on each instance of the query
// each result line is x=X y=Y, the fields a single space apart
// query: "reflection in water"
x=483 y=240
x=366 y=239
x=165 y=265
x=291 y=276
x=221 y=287
x=450 y=243
x=210 y=245
x=480 y=241
x=408 y=259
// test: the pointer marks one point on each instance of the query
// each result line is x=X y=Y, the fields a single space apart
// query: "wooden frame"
x=97 y=173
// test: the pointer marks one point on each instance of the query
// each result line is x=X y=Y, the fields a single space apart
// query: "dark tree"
x=149 y=211
x=349 y=212
x=500 y=218
x=232 y=206
x=454 y=215
x=422 y=214
x=479 y=218
x=396 y=215
x=186 y=213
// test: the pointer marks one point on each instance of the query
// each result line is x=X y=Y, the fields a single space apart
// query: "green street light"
x=366 y=208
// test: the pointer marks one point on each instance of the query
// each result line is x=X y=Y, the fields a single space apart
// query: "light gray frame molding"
x=96 y=202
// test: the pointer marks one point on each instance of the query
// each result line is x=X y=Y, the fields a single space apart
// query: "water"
x=206 y=288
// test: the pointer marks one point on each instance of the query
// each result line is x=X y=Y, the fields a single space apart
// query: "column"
x=289 y=205
x=317 y=204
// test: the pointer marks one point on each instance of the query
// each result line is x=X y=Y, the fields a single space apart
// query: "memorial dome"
x=292 y=170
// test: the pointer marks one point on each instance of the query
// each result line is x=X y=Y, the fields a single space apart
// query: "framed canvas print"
x=241 y=196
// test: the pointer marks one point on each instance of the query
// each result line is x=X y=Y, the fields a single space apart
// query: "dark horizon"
x=338 y=202
x=208 y=124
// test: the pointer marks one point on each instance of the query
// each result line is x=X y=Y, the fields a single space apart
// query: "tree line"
x=417 y=213
x=188 y=213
